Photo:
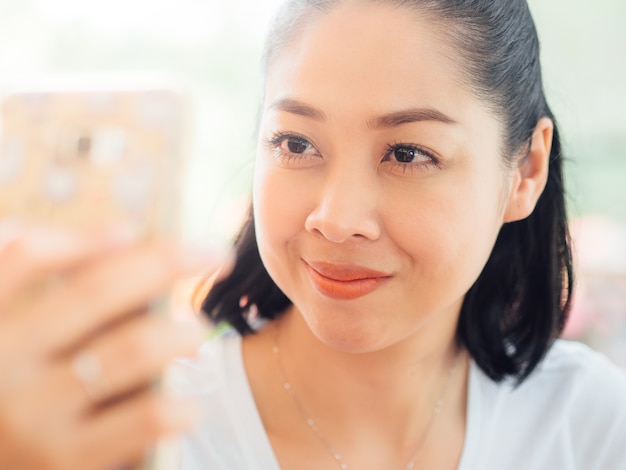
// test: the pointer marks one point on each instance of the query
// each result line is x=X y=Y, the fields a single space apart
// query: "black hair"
x=518 y=305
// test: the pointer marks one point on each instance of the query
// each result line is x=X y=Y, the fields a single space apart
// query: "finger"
x=126 y=281
x=28 y=252
x=128 y=357
x=127 y=431
x=117 y=434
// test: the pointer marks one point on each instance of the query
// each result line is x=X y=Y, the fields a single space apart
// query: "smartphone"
x=92 y=157
x=84 y=158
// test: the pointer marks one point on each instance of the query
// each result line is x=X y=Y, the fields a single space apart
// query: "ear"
x=530 y=177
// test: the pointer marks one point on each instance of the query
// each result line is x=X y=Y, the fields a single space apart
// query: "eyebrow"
x=292 y=106
x=398 y=118
x=394 y=119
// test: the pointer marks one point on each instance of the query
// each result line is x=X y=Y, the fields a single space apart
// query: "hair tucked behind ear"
x=519 y=303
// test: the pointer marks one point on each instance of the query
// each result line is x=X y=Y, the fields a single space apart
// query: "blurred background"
x=211 y=49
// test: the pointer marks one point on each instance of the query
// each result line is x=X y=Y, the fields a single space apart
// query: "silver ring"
x=87 y=368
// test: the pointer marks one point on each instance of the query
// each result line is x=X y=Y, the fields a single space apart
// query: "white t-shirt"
x=569 y=414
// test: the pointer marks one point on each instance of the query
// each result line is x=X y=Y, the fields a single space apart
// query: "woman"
x=414 y=267
x=414 y=272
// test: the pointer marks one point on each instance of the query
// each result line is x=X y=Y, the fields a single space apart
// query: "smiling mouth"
x=344 y=281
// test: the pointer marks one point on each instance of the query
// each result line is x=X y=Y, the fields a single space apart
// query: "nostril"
x=346 y=206
x=338 y=228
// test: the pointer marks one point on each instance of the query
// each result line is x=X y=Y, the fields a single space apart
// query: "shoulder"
x=588 y=396
x=208 y=371
x=578 y=360
x=585 y=380
x=574 y=377
x=569 y=413
x=229 y=433
x=207 y=380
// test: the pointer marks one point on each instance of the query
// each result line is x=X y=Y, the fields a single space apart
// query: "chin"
x=349 y=335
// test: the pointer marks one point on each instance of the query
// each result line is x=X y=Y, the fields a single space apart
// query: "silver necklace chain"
x=322 y=438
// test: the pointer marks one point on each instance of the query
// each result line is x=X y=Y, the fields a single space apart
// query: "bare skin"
x=348 y=91
x=103 y=280
x=358 y=412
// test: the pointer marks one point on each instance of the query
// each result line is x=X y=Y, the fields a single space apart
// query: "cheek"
x=280 y=202
x=448 y=235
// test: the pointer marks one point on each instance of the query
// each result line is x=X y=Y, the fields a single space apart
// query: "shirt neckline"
x=261 y=454
x=264 y=457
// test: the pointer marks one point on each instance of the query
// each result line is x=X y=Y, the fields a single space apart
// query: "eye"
x=296 y=145
x=292 y=149
x=406 y=154
x=409 y=157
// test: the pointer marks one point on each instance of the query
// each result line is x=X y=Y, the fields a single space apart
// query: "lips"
x=344 y=281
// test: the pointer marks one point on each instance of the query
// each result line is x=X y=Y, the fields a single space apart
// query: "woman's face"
x=379 y=188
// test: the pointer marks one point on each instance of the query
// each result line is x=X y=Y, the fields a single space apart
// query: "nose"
x=346 y=208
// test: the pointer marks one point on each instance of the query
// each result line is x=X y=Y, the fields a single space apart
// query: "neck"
x=392 y=391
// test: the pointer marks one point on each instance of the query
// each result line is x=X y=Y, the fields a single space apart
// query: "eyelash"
x=274 y=143
x=411 y=166
x=278 y=138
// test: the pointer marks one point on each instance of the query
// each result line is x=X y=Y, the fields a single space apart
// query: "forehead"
x=374 y=56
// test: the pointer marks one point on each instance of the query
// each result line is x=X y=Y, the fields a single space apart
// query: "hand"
x=77 y=352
